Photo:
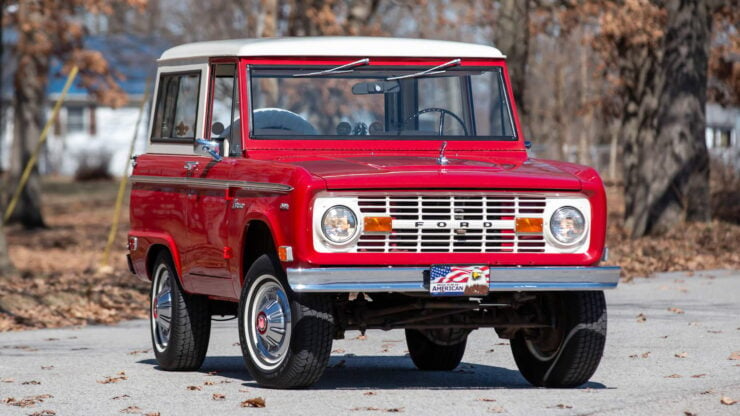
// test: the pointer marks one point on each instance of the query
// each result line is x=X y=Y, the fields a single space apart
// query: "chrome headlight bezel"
x=353 y=224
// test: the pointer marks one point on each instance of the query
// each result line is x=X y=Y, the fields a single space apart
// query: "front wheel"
x=568 y=353
x=285 y=337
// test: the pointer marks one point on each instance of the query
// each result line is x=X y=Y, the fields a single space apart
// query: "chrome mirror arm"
x=208 y=147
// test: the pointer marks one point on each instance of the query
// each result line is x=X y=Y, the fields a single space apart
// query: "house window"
x=177 y=107
x=75 y=119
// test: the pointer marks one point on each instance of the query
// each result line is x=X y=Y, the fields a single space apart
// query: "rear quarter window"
x=176 y=107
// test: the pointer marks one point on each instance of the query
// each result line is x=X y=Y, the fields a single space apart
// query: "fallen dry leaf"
x=152 y=414
x=44 y=412
x=641 y=317
x=369 y=393
x=717 y=331
x=209 y=383
x=361 y=337
x=7 y=380
x=26 y=401
x=677 y=311
x=491 y=350
x=645 y=354
x=562 y=406
x=109 y=379
x=485 y=400
x=218 y=396
x=236 y=344
x=136 y=352
x=197 y=388
x=496 y=409
x=673 y=376
x=243 y=390
x=31 y=382
x=710 y=391
x=734 y=356
x=47 y=367
x=378 y=409
x=131 y=409
x=698 y=375
x=123 y=396
x=727 y=401
x=338 y=351
x=212 y=373
x=254 y=402
x=687 y=413
x=681 y=355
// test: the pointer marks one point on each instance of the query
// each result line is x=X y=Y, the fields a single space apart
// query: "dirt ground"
x=60 y=282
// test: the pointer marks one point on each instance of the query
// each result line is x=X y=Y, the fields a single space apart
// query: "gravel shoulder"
x=668 y=347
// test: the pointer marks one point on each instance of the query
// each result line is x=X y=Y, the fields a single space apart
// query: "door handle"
x=190 y=166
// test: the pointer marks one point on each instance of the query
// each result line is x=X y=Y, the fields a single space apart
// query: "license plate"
x=459 y=280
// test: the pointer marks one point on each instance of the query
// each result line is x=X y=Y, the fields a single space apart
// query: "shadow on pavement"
x=386 y=372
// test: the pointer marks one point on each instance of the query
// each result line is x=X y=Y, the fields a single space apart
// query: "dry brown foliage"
x=59 y=285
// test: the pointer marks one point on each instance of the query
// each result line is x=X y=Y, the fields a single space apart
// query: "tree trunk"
x=512 y=38
x=6 y=267
x=665 y=156
x=29 y=102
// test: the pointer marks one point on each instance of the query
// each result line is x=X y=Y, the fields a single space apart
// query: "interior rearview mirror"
x=376 y=87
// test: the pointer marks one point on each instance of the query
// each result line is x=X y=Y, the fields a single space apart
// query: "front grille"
x=490 y=229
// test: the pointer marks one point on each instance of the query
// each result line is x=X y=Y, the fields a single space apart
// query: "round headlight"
x=567 y=225
x=339 y=224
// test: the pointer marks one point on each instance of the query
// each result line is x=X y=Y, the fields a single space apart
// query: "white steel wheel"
x=268 y=322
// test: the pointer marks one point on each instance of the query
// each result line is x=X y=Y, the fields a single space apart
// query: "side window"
x=177 y=107
x=225 y=126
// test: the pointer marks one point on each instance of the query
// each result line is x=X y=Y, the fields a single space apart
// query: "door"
x=208 y=259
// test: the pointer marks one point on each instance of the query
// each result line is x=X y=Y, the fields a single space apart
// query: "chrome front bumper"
x=416 y=280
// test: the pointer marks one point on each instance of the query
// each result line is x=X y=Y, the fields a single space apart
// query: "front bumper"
x=416 y=280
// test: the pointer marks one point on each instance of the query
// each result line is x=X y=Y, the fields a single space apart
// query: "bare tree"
x=48 y=29
x=512 y=38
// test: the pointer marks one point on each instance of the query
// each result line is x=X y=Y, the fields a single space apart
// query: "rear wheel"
x=285 y=337
x=429 y=355
x=567 y=354
x=180 y=323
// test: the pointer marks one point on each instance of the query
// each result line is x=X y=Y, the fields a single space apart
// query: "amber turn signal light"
x=378 y=224
x=529 y=225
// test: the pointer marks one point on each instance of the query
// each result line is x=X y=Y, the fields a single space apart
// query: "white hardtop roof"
x=332 y=46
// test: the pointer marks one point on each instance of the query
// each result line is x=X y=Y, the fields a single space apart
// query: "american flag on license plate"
x=454 y=274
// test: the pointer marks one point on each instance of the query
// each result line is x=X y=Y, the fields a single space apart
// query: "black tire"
x=301 y=351
x=429 y=356
x=567 y=355
x=185 y=345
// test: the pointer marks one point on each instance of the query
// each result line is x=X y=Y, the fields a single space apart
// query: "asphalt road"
x=674 y=361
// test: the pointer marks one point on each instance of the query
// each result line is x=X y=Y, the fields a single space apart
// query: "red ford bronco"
x=317 y=185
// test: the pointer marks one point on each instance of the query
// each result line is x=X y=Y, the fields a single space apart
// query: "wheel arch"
x=258 y=239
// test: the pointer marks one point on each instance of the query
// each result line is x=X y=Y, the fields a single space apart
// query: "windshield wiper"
x=431 y=71
x=337 y=70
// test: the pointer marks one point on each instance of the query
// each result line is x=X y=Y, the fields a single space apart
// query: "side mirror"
x=208 y=148
x=527 y=144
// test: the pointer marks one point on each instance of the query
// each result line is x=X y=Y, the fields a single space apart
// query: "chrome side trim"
x=212 y=183
x=411 y=279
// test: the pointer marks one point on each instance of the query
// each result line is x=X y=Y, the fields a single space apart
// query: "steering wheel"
x=442 y=112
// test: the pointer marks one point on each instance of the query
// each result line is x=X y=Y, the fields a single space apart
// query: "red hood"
x=416 y=172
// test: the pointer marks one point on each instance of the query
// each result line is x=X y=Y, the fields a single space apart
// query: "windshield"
x=455 y=103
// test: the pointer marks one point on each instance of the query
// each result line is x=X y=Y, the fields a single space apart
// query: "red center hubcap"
x=262 y=323
x=156 y=308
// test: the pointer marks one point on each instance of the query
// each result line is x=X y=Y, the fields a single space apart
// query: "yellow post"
x=35 y=155
x=124 y=181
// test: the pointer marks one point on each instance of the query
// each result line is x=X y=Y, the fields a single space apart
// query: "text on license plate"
x=459 y=280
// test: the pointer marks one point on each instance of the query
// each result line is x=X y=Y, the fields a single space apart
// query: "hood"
x=417 y=172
